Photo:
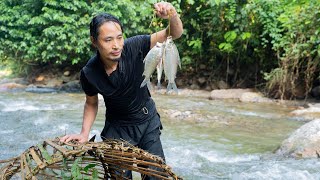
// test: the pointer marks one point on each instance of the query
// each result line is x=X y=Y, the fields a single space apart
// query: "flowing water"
x=202 y=139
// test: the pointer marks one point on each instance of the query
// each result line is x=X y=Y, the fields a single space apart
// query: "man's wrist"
x=84 y=134
x=174 y=15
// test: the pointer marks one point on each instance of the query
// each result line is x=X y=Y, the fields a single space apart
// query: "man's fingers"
x=156 y=7
x=63 y=138
x=72 y=137
x=164 y=9
x=67 y=138
x=77 y=137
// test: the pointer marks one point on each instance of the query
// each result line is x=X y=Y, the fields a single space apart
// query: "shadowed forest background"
x=266 y=44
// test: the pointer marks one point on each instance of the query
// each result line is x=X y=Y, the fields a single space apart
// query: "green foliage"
x=245 y=37
x=294 y=38
x=45 y=153
x=229 y=37
x=77 y=171
x=57 y=32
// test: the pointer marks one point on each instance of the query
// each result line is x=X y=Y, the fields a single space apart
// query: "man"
x=115 y=72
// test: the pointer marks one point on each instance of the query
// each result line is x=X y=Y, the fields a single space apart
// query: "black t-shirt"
x=125 y=101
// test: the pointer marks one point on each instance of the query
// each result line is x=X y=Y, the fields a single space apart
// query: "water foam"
x=274 y=171
x=217 y=157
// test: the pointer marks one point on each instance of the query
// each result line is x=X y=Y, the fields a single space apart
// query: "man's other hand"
x=164 y=9
x=77 y=137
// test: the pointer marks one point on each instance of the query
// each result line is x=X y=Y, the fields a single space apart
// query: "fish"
x=159 y=73
x=152 y=59
x=171 y=61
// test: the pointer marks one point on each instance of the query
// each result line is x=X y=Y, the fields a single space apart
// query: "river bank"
x=67 y=80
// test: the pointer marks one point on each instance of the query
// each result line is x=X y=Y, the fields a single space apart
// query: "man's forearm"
x=89 y=115
x=176 y=27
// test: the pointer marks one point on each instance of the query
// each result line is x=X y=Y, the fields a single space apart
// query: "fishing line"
x=169 y=14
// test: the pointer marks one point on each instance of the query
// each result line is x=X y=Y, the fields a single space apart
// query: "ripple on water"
x=6 y=132
x=218 y=157
x=19 y=107
x=287 y=170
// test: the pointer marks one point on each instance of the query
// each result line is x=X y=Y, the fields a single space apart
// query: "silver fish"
x=159 y=73
x=151 y=61
x=171 y=61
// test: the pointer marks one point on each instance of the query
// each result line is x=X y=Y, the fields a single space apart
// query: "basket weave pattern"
x=110 y=158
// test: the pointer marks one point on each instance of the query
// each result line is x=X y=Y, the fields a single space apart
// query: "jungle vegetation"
x=269 y=44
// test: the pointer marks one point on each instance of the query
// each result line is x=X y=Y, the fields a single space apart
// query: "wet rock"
x=201 y=80
x=311 y=108
x=303 y=143
x=40 y=89
x=185 y=92
x=213 y=86
x=40 y=78
x=180 y=115
x=72 y=86
x=208 y=88
x=315 y=92
x=228 y=93
x=179 y=82
x=175 y=114
x=222 y=85
x=311 y=112
x=54 y=83
x=193 y=117
x=66 y=73
x=194 y=86
x=66 y=79
x=299 y=91
x=254 y=97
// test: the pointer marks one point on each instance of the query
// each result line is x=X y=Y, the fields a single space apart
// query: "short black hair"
x=98 y=20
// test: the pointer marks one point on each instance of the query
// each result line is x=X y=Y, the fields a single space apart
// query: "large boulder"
x=303 y=143
x=228 y=93
x=255 y=97
x=315 y=92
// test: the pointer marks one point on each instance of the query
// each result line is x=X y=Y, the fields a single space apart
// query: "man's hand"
x=164 y=10
x=77 y=137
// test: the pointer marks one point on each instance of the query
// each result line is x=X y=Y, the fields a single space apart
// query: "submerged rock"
x=303 y=143
x=310 y=112
x=40 y=89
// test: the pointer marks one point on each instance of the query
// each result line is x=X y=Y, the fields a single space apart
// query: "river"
x=202 y=139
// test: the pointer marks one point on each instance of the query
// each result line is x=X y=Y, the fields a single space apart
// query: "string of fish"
x=163 y=57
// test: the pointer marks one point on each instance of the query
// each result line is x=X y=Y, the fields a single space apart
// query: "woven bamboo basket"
x=108 y=159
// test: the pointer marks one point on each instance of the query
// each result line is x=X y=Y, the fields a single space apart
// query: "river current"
x=202 y=139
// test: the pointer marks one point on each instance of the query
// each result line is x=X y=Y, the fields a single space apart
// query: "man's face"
x=110 y=41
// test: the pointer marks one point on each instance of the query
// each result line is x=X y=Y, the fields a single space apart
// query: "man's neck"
x=110 y=66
